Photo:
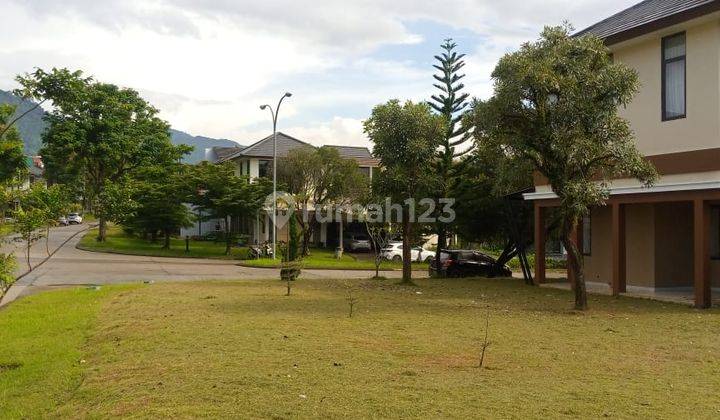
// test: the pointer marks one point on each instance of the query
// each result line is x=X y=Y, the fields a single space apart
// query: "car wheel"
x=429 y=258
x=397 y=258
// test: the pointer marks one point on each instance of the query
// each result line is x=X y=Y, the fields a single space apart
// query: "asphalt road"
x=70 y=266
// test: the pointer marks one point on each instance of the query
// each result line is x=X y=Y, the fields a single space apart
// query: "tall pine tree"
x=451 y=104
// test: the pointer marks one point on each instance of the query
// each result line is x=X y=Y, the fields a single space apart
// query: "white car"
x=74 y=218
x=63 y=221
x=394 y=251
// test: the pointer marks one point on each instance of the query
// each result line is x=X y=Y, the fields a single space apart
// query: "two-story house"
x=666 y=236
x=256 y=161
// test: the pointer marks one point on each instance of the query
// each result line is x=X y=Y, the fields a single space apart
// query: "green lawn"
x=243 y=350
x=120 y=243
x=320 y=258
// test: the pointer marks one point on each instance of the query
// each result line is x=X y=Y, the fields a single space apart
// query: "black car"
x=468 y=263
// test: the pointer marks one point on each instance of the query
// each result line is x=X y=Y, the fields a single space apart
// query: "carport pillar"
x=539 y=244
x=701 y=257
x=619 y=261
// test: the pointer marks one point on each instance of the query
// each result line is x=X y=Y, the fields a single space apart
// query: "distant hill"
x=32 y=126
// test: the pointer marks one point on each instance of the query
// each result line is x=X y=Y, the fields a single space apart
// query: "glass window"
x=365 y=170
x=265 y=169
x=673 y=77
x=586 y=235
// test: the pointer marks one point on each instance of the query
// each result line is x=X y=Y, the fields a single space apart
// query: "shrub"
x=242 y=253
x=7 y=272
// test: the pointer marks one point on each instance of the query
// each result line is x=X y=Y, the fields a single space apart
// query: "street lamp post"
x=274 y=115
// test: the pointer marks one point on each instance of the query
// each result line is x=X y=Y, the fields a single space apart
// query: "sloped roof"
x=360 y=154
x=649 y=16
x=223 y=152
x=286 y=143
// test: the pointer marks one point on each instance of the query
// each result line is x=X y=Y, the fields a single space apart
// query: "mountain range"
x=32 y=126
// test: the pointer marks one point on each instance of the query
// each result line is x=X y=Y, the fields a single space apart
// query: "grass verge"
x=242 y=349
x=42 y=349
x=120 y=243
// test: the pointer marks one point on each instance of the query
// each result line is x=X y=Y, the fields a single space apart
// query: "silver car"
x=74 y=219
x=357 y=242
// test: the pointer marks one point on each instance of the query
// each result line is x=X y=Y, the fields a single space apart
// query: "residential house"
x=256 y=161
x=666 y=237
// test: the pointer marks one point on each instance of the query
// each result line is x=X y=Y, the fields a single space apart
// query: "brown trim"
x=712 y=196
x=703 y=160
x=656 y=25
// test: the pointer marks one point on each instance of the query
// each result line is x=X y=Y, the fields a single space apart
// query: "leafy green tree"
x=115 y=202
x=405 y=138
x=555 y=107
x=12 y=160
x=219 y=193
x=160 y=196
x=53 y=202
x=456 y=142
x=317 y=178
x=98 y=131
x=28 y=225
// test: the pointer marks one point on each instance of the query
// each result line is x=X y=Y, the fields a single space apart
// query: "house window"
x=264 y=169
x=247 y=167
x=365 y=171
x=673 y=77
x=586 y=235
x=715 y=233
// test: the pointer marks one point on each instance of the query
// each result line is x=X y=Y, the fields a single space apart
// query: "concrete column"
x=619 y=252
x=539 y=244
x=701 y=257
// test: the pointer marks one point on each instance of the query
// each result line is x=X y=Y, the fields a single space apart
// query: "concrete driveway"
x=70 y=266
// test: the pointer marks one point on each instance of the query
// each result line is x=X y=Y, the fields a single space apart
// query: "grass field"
x=118 y=242
x=325 y=259
x=242 y=349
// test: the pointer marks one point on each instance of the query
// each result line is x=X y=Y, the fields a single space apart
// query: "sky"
x=209 y=64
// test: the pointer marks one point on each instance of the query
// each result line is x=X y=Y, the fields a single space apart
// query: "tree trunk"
x=27 y=255
x=407 y=255
x=102 y=229
x=166 y=244
x=441 y=244
x=228 y=236
x=47 y=240
x=575 y=261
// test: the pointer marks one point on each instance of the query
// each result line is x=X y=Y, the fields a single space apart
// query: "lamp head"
x=263 y=106
x=288 y=94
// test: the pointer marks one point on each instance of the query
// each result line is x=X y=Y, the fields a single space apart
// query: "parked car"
x=394 y=252
x=63 y=221
x=468 y=263
x=74 y=218
x=357 y=242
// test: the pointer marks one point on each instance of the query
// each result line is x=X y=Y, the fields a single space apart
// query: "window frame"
x=586 y=236
x=663 y=64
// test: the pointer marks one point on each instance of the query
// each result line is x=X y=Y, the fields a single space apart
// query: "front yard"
x=118 y=242
x=242 y=349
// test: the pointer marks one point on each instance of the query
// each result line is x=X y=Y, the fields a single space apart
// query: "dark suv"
x=468 y=263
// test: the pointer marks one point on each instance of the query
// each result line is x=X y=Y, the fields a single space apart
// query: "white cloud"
x=208 y=64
